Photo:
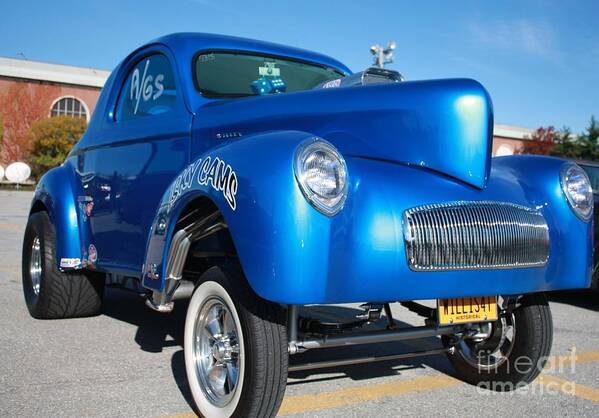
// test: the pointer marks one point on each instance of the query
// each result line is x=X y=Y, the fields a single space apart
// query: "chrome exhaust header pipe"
x=401 y=334
x=363 y=360
x=162 y=301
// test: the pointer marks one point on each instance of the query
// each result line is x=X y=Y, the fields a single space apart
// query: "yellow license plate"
x=462 y=310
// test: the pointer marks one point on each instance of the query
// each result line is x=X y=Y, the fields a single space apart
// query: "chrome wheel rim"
x=216 y=352
x=35 y=265
x=492 y=352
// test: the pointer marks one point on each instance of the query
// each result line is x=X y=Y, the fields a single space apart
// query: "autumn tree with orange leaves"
x=20 y=106
x=542 y=142
x=562 y=143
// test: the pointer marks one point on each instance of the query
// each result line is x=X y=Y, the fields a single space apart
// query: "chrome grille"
x=475 y=235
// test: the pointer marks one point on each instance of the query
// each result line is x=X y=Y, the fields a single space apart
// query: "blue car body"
x=405 y=145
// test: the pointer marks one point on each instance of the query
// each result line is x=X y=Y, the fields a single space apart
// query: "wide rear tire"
x=235 y=348
x=50 y=293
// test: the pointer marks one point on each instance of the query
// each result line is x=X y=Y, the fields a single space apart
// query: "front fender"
x=291 y=253
x=57 y=192
x=572 y=239
x=278 y=236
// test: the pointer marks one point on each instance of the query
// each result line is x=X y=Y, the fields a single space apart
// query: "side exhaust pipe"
x=162 y=301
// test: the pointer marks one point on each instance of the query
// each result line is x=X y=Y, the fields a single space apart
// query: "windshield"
x=229 y=74
x=593 y=173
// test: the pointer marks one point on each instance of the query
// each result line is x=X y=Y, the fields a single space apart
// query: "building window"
x=69 y=106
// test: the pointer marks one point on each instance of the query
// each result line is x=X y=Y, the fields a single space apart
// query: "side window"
x=148 y=90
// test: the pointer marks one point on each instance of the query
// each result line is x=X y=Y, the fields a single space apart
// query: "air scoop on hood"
x=372 y=75
x=440 y=125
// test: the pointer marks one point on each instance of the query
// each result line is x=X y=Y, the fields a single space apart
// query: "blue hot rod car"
x=254 y=178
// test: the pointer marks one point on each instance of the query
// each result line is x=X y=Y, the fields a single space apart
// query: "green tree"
x=590 y=140
x=566 y=144
x=582 y=147
x=51 y=141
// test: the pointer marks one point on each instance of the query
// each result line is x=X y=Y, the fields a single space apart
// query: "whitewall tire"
x=235 y=348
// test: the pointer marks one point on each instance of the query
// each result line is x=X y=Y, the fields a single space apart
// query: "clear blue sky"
x=538 y=59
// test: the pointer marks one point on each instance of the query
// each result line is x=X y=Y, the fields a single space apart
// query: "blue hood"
x=440 y=125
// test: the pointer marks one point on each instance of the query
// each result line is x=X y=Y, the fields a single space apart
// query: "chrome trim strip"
x=475 y=235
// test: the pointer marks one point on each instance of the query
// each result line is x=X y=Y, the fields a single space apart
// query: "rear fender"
x=57 y=192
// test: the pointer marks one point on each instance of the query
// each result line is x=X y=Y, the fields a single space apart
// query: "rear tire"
x=235 y=348
x=50 y=293
x=523 y=359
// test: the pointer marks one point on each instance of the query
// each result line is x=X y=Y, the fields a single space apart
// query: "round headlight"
x=322 y=175
x=578 y=191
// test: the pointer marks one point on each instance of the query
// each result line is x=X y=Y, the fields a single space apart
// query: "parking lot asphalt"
x=128 y=362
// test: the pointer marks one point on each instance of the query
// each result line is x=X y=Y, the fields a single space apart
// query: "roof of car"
x=190 y=43
x=184 y=47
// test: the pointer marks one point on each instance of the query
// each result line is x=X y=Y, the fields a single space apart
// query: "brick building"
x=31 y=90
x=73 y=91
x=76 y=91
x=508 y=138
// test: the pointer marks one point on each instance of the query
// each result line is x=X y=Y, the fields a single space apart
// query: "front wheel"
x=515 y=351
x=235 y=348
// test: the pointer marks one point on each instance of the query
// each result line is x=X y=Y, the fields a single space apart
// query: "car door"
x=146 y=141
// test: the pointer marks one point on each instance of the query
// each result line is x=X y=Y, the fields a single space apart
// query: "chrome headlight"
x=321 y=174
x=577 y=188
